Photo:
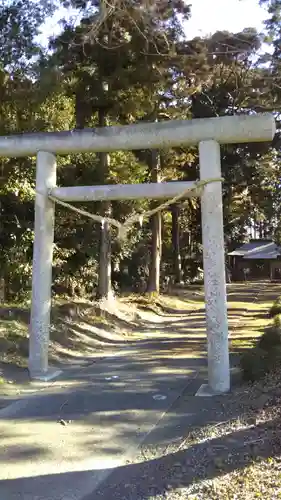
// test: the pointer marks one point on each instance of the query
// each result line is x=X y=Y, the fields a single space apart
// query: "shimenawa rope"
x=124 y=227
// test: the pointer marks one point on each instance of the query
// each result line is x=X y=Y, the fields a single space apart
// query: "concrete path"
x=63 y=442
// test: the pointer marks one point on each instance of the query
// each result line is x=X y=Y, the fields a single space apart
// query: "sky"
x=207 y=17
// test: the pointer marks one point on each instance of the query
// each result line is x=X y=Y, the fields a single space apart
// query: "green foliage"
x=153 y=72
x=277 y=321
x=275 y=308
x=265 y=356
x=270 y=339
x=254 y=364
x=20 y=22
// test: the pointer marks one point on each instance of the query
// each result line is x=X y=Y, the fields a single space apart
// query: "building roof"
x=258 y=249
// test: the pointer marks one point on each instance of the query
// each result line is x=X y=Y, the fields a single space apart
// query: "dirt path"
x=100 y=412
x=80 y=336
x=214 y=448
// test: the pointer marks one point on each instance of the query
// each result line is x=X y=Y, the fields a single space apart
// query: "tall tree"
x=104 y=286
x=156 y=230
x=136 y=71
x=20 y=22
x=177 y=271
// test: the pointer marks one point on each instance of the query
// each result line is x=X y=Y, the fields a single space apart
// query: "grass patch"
x=13 y=341
x=233 y=446
x=241 y=344
x=265 y=354
x=183 y=301
x=14 y=326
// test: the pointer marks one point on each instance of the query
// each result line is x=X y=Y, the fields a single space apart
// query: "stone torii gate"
x=208 y=134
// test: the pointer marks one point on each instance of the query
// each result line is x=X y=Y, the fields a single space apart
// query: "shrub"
x=277 y=321
x=274 y=357
x=264 y=357
x=275 y=308
x=255 y=364
x=270 y=338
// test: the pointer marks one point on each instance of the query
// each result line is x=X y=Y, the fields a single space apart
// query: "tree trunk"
x=260 y=230
x=2 y=279
x=2 y=290
x=104 y=288
x=255 y=226
x=104 y=285
x=176 y=243
x=156 y=228
x=156 y=250
x=104 y=281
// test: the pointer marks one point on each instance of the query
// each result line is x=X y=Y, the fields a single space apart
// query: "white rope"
x=97 y=218
x=124 y=227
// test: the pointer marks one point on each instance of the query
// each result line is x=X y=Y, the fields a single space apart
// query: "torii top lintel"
x=224 y=130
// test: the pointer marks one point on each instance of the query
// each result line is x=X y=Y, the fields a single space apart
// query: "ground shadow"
x=178 y=469
x=111 y=403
